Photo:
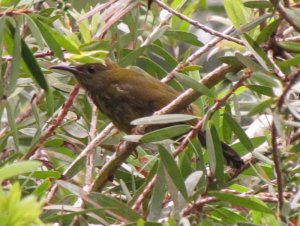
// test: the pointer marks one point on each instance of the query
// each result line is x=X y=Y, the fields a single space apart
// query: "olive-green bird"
x=125 y=94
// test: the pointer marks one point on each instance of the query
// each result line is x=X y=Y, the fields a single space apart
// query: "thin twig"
x=275 y=151
x=287 y=17
x=36 y=55
x=204 y=49
x=56 y=122
x=276 y=69
x=198 y=24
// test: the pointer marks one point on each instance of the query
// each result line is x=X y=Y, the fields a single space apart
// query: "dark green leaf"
x=161 y=52
x=290 y=46
x=11 y=116
x=131 y=57
x=184 y=37
x=266 y=33
x=249 y=203
x=286 y=64
x=115 y=208
x=215 y=154
x=191 y=83
x=55 y=40
x=231 y=60
x=258 y=4
x=257 y=52
x=50 y=40
x=16 y=58
x=263 y=90
x=173 y=170
x=260 y=107
x=227 y=131
x=239 y=132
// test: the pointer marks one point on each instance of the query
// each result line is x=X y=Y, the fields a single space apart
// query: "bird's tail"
x=232 y=158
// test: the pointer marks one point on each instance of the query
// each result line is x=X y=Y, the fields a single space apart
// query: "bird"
x=126 y=94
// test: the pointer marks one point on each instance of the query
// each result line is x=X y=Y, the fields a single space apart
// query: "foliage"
x=237 y=61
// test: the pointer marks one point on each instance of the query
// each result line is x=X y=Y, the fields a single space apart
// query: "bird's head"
x=89 y=75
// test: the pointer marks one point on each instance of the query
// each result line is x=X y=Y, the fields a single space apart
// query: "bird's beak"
x=62 y=67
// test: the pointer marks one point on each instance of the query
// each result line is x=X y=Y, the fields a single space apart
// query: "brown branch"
x=16 y=12
x=56 y=122
x=289 y=19
x=198 y=24
x=293 y=77
x=36 y=55
x=204 y=49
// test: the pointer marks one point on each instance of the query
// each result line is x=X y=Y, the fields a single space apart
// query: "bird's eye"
x=91 y=69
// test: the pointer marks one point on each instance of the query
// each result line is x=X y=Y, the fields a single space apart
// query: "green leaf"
x=165 y=133
x=227 y=131
x=231 y=60
x=248 y=62
x=184 y=37
x=265 y=80
x=286 y=64
x=162 y=119
x=257 y=52
x=261 y=107
x=236 y=12
x=258 y=4
x=293 y=14
x=103 y=44
x=45 y=174
x=40 y=190
x=131 y=57
x=263 y=90
x=162 y=53
x=96 y=56
x=191 y=83
x=215 y=154
x=115 y=208
x=290 y=46
x=55 y=39
x=17 y=50
x=249 y=203
x=18 y=168
x=239 y=132
x=158 y=195
x=173 y=170
x=50 y=40
x=266 y=33
x=31 y=62
x=191 y=68
x=12 y=123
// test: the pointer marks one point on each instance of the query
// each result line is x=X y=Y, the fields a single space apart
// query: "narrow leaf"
x=162 y=119
x=18 y=168
x=191 y=83
x=165 y=133
x=239 y=132
x=173 y=170
x=249 y=203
